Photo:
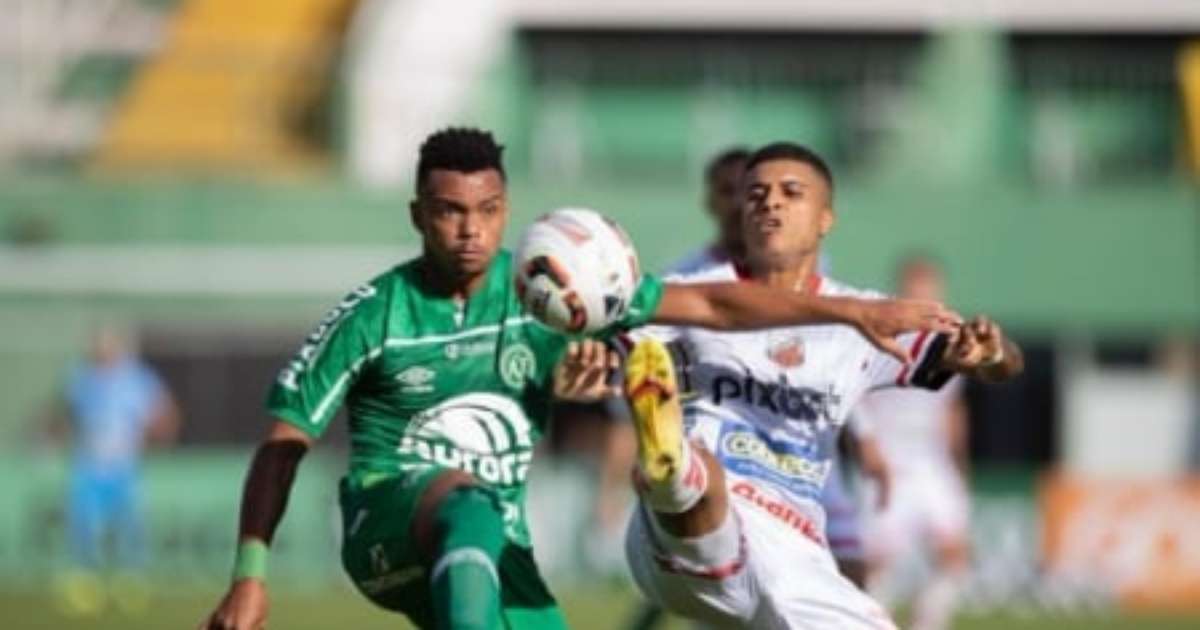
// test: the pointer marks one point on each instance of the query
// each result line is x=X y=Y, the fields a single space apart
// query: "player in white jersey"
x=723 y=201
x=922 y=437
x=841 y=501
x=729 y=529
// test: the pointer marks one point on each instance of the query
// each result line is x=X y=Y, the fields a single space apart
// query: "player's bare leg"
x=681 y=482
x=934 y=606
x=855 y=570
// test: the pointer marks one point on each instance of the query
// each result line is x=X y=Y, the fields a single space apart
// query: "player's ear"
x=415 y=216
x=827 y=220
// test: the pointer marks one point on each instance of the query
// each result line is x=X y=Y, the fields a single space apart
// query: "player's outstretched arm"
x=980 y=349
x=264 y=499
x=741 y=306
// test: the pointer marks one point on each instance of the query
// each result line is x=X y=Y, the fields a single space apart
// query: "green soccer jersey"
x=430 y=382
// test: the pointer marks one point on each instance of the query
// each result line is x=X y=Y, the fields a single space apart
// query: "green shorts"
x=382 y=561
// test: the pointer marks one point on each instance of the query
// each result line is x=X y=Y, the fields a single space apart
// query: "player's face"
x=107 y=348
x=724 y=201
x=785 y=213
x=922 y=282
x=461 y=217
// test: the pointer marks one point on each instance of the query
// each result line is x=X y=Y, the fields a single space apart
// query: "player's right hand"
x=881 y=320
x=243 y=608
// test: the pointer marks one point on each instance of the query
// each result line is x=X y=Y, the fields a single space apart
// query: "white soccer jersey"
x=709 y=256
x=769 y=404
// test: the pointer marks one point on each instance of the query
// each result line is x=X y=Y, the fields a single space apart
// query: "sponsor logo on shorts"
x=391 y=580
x=379 y=560
x=780 y=510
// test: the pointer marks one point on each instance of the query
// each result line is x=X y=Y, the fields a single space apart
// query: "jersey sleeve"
x=923 y=370
x=644 y=303
x=642 y=308
x=311 y=387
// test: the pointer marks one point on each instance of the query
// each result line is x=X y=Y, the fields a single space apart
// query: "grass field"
x=596 y=609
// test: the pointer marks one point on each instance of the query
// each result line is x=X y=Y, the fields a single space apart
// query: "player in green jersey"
x=449 y=384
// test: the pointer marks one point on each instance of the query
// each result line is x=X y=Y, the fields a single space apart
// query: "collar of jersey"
x=488 y=297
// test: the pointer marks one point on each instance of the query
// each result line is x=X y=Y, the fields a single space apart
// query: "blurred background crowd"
x=187 y=185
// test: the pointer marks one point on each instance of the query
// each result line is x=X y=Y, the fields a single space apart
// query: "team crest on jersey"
x=517 y=365
x=786 y=351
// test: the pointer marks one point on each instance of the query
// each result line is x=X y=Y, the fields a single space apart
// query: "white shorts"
x=778 y=577
x=929 y=507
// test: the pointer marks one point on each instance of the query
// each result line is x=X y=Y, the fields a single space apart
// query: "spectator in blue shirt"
x=114 y=406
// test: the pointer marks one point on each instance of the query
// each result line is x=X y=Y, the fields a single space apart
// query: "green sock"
x=464 y=579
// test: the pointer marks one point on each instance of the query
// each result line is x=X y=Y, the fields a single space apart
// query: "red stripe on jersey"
x=912 y=356
x=813 y=286
x=714 y=573
x=695 y=478
x=741 y=270
x=671 y=565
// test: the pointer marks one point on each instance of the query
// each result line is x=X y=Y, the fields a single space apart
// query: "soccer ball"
x=576 y=270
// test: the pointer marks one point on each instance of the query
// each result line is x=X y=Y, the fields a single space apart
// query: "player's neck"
x=727 y=250
x=793 y=275
x=448 y=282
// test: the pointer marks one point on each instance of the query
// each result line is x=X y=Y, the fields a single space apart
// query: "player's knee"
x=470 y=516
x=954 y=555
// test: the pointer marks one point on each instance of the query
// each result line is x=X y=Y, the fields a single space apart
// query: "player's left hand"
x=977 y=343
x=582 y=374
x=880 y=321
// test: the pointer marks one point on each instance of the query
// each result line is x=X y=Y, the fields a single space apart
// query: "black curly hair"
x=729 y=157
x=796 y=153
x=461 y=149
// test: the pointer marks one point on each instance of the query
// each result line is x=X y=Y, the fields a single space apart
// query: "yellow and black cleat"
x=657 y=415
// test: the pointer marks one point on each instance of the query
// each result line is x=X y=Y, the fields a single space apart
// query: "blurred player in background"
x=723 y=202
x=449 y=384
x=857 y=451
x=729 y=530
x=923 y=438
x=113 y=406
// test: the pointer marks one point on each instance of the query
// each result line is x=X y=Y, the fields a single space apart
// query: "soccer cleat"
x=80 y=593
x=657 y=416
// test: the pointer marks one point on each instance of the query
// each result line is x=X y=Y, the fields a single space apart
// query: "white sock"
x=935 y=604
x=716 y=549
x=679 y=492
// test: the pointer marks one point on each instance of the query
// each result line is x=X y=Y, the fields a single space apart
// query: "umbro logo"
x=416 y=379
